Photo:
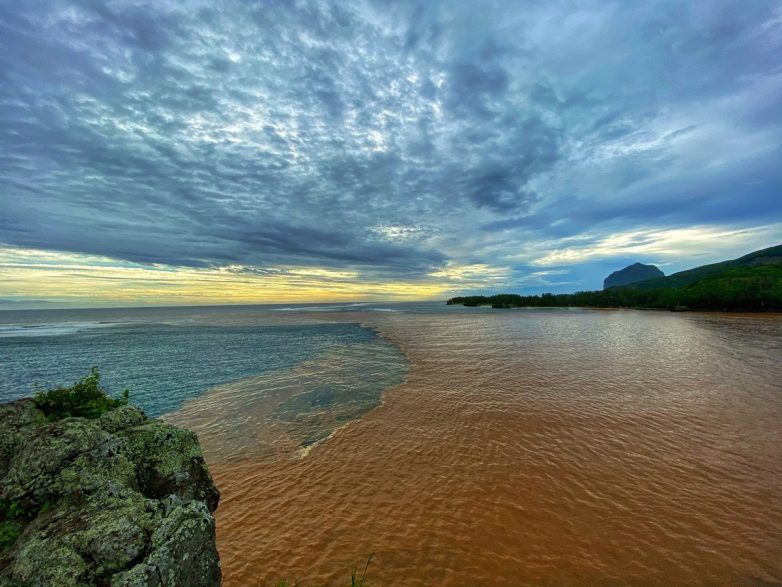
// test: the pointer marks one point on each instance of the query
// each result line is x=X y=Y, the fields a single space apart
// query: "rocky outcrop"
x=119 y=500
x=632 y=274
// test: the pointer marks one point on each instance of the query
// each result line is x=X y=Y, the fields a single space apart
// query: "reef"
x=120 y=500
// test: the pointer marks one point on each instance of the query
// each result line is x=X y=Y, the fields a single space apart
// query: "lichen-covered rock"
x=17 y=422
x=119 y=500
x=178 y=555
x=171 y=462
x=121 y=418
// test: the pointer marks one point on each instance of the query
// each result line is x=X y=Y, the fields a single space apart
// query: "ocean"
x=457 y=446
x=166 y=357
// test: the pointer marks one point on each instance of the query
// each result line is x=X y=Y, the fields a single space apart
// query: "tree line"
x=748 y=289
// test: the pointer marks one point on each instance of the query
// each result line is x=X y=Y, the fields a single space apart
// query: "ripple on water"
x=167 y=362
x=522 y=447
x=526 y=448
x=284 y=413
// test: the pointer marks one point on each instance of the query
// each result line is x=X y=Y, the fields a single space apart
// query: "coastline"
x=639 y=309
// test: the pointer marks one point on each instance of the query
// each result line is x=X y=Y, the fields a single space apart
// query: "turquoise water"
x=167 y=356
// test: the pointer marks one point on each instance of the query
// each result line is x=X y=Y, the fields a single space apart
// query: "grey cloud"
x=136 y=26
x=473 y=87
x=264 y=134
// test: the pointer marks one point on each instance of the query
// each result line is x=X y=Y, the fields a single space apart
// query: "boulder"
x=117 y=500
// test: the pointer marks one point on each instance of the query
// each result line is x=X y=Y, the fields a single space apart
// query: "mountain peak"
x=631 y=274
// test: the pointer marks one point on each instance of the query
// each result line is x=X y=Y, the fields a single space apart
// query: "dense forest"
x=747 y=288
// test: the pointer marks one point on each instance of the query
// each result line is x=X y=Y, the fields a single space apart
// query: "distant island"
x=752 y=283
x=632 y=274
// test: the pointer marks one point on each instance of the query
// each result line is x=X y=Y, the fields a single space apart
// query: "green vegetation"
x=755 y=288
x=769 y=256
x=14 y=517
x=360 y=582
x=84 y=399
x=9 y=532
x=632 y=274
x=12 y=522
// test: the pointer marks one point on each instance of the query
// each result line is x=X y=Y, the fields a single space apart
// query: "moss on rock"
x=119 y=499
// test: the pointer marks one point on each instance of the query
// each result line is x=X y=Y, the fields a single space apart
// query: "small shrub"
x=85 y=399
x=13 y=519
x=9 y=532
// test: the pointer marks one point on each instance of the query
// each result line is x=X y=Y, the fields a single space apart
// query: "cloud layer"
x=399 y=143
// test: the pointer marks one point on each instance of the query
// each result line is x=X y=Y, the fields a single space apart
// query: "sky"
x=200 y=152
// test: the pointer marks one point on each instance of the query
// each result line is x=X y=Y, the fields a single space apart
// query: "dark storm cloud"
x=263 y=134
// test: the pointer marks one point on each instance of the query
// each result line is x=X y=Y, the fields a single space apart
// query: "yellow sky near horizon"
x=69 y=278
x=35 y=278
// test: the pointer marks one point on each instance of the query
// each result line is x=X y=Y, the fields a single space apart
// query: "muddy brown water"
x=524 y=447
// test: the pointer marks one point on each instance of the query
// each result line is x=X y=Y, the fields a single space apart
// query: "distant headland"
x=752 y=283
x=632 y=274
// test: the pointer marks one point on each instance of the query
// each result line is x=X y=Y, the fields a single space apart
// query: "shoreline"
x=625 y=308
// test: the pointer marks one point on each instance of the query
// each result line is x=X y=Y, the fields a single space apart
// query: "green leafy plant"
x=9 y=532
x=85 y=399
x=10 y=524
x=14 y=517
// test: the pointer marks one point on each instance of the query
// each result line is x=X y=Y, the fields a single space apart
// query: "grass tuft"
x=14 y=517
x=360 y=582
x=355 y=581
